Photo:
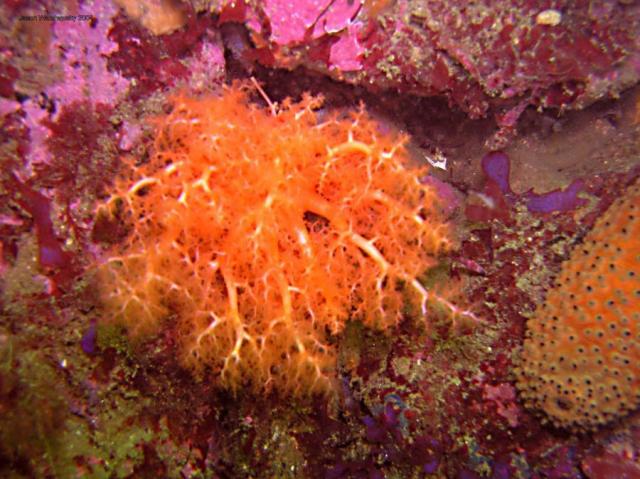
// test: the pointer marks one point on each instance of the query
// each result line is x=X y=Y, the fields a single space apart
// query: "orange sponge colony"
x=256 y=234
x=581 y=358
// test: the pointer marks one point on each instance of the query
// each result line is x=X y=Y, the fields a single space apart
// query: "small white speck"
x=550 y=17
x=438 y=160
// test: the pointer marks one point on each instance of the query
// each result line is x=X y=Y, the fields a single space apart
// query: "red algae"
x=51 y=255
x=257 y=234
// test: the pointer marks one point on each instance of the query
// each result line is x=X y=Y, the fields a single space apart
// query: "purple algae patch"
x=88 y=341
x=497 y=166
x=557 y=200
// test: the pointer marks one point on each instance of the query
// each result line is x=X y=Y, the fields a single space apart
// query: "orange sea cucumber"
x=257 y=234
